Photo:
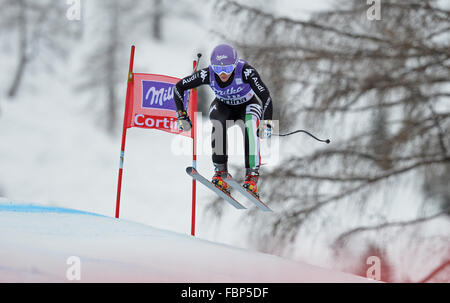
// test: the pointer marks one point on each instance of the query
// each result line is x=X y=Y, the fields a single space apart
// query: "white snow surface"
x=37 y=242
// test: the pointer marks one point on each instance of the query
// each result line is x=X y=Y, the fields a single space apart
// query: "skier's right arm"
x=196 y=79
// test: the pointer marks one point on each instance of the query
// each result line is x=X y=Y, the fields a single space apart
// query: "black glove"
x=183 y=120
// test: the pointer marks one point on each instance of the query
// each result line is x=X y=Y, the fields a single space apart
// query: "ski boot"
x=217 y=179
x=251 y=179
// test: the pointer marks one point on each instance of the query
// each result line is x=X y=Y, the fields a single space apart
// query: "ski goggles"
x=227 y=69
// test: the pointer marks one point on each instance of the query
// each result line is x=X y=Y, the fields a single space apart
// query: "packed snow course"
x=53 y=244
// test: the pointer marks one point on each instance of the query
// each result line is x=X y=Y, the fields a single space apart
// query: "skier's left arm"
x=252 y=77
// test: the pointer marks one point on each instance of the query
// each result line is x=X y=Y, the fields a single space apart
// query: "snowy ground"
x=52 y=244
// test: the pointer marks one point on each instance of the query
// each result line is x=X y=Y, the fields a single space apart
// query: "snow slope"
x=37 y=242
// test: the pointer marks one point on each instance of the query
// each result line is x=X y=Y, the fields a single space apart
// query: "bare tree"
x=254 y=48
x=437 y=271
x=105 y=67
x=42 y=31
x=380 y=88
x=149 y=16
x=158 y=17
x=120 y=24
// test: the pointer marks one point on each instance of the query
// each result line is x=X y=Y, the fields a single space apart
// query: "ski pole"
x=327 y=141
x=195 y=70
x=198 y=61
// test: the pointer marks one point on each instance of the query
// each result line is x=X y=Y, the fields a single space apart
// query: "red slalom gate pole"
x=194 y=162
x=124 y=130
x=194 y=151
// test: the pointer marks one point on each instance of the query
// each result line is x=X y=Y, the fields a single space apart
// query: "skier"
x=235 y=84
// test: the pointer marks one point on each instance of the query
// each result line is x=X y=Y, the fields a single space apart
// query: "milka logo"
x=159 y=96
x=156 y=94
x=221 y=57
x=229 y=91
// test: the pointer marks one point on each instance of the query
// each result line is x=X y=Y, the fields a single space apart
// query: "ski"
x=227 y=178
x=197 y=176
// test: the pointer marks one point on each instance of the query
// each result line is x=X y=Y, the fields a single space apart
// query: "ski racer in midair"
x=236 y=85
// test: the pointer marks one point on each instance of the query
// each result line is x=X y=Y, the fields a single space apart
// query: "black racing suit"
x=247 y=115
